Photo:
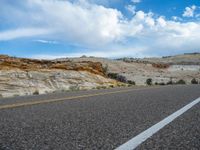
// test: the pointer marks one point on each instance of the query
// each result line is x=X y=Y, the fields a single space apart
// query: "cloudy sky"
x=103 y=28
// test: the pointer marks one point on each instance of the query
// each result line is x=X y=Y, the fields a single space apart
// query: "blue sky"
x=106 y=28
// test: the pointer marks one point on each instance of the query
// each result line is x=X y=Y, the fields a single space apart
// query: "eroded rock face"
x=26 y=76
x=7 y=63
x=18 y=82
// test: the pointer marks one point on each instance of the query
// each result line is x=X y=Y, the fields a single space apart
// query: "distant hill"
x=185 y=59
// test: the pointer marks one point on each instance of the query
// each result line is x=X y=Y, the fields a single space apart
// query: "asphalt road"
x=103 y=119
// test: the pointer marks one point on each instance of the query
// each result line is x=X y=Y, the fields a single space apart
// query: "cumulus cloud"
x=101 y=29
x=189 y=11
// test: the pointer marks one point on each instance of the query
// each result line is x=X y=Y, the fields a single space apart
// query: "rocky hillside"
x=19 y=76
x=160 y=70
x=185 y=59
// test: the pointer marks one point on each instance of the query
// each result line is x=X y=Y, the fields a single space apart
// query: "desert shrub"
x=101 y=87
x=112 y=75
x=1 y=95
x=104 y=87
x=117 y=77
x=131 y=82
x=74 y=88
x=111 y=86
x=156 y=83
x=98 y=87
x=121 y=78
x=36 y=92
x=170 y=82
x=149 y=81
x=194 y=81
x=181 y=81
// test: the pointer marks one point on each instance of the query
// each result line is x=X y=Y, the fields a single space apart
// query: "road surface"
x=100 y=119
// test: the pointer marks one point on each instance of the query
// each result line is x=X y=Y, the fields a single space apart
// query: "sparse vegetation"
x=170 y=82
x=101 y=87
x=111 y=86
x=36 y=92
x=112 y=75
x=121 y=78
x=194 y=81
x=181 y=81
x=162 y=83
x=149 y=81
x=74 y=88
x=117 y=77
x=131 y=82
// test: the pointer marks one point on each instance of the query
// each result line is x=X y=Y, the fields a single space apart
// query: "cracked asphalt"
x=101 y=122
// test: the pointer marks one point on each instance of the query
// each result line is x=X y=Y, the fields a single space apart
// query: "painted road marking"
x=140 y=138
x=15 y=105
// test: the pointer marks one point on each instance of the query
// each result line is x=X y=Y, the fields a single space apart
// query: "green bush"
x=194 y=81
x=181 y=81
x=149 y=81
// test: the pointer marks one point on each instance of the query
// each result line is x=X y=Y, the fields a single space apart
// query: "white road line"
x=140 y=138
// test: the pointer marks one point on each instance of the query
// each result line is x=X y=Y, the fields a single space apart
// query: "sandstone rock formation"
x=20 y=76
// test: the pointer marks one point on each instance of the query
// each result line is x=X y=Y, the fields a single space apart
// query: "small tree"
x=194 y=81
x=149 y=81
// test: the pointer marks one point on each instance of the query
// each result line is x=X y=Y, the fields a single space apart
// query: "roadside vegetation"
x=181 y=81
x=194 y=81
x=149 y=81
x=36 y=92
x=120 y=78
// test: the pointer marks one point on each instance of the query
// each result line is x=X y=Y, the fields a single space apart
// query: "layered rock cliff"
x=19 y=76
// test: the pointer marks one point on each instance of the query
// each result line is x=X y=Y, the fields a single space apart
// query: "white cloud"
x=161 y=21
x=102 y=29
x=46 y=41
x=131 y=8
x=189 y=11
x=21 y=33
x=136 y=1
